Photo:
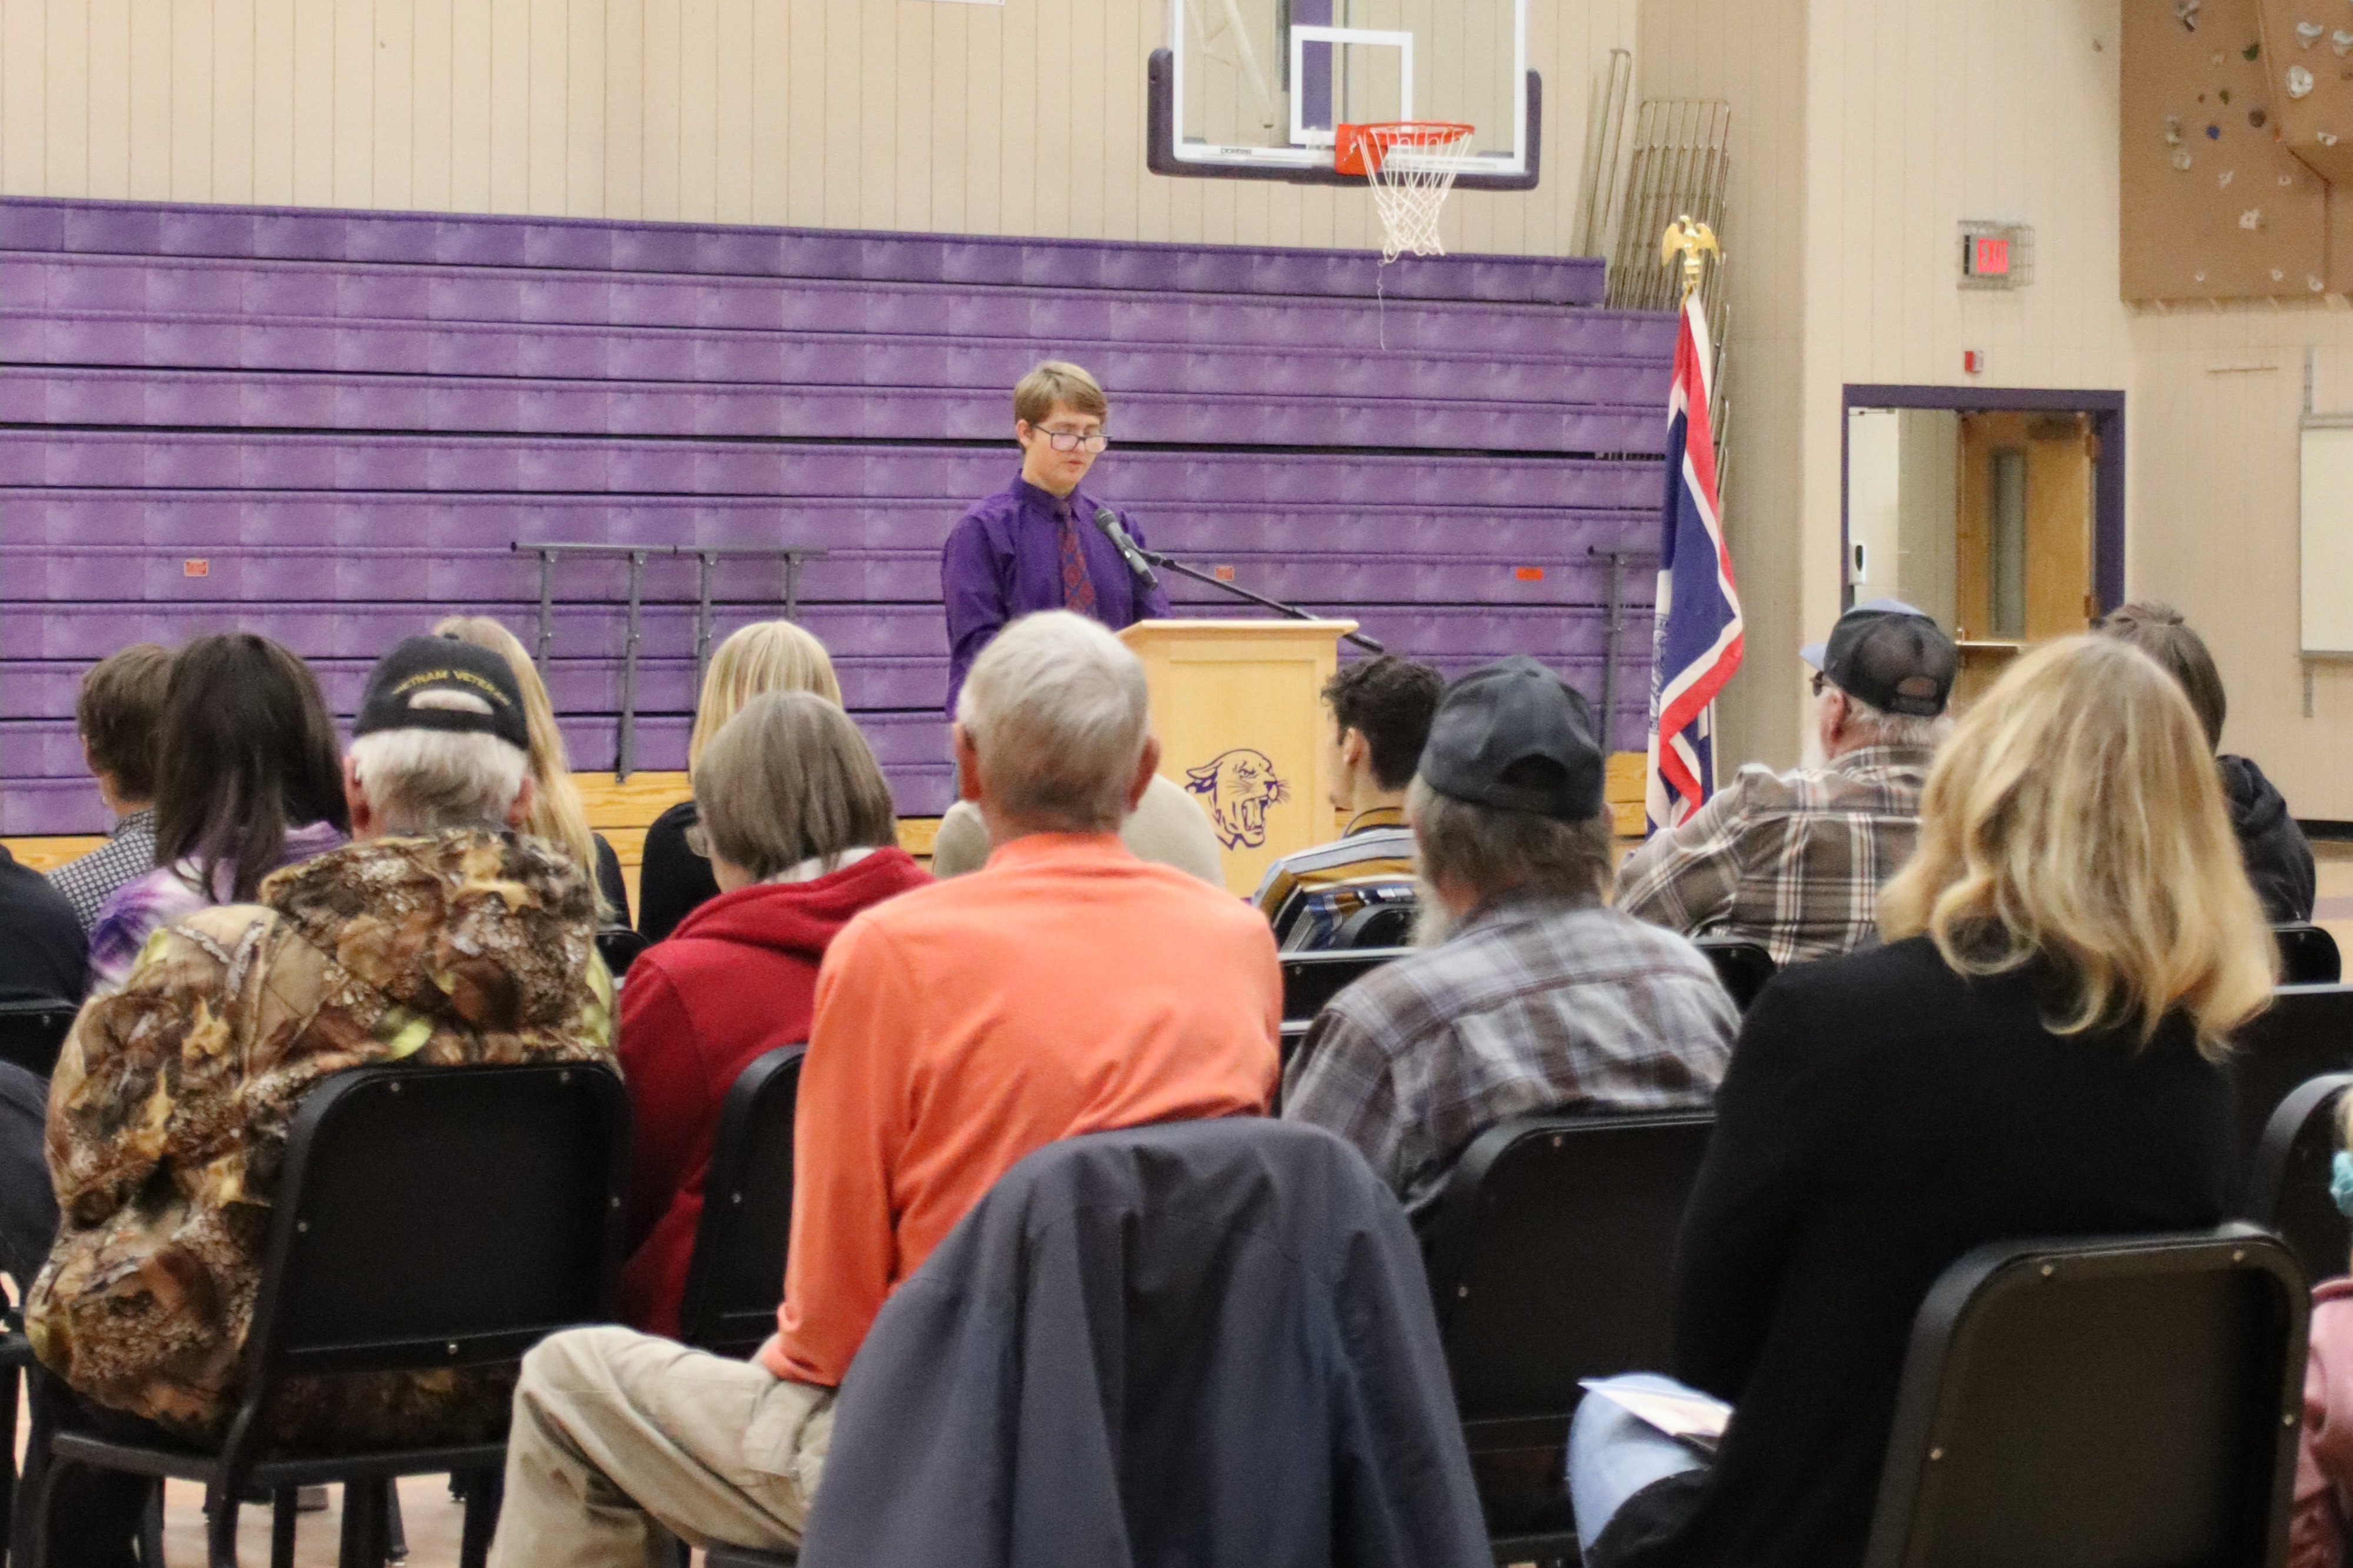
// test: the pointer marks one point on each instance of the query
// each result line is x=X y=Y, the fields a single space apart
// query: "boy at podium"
x=1034 y=544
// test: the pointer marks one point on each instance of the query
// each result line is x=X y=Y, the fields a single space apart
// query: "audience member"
x=1795 y=861
x=558 y=812
x=2324 y=1461
x=801 y=836
x=116 y=712
x=2279 y=860
x=766 y=655
x=28 y=1209
x=1381 y=709
x=440 y=938
x=1069 y=987
x=1538 y=997
x=2034 y=1053
x=1168 y=828
x=41 y=950
x=247 y=780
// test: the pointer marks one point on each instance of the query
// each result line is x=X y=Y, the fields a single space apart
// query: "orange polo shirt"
x=1067 y=987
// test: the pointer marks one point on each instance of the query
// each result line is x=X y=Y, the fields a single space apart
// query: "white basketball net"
x=1415 y=169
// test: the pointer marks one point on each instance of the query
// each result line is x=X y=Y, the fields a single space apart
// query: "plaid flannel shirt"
x=89 y=881
x=1530 y=1006
x=1792 y=860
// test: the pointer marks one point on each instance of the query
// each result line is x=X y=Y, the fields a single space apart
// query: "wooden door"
x=2024 y=526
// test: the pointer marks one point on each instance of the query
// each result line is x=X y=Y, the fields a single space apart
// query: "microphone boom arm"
x=1293 y=611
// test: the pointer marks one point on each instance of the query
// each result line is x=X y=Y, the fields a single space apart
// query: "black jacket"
x=1203 y=1343
x=2279 y=861
x=673 y=881
x=43 y=953
x=1882 y=1117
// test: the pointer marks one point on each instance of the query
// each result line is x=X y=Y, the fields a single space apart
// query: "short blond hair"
x=557 y=813
x=1055 y=710
x=2077 y=817
x=790 y=779
x=766 y=655
x=1058 y=381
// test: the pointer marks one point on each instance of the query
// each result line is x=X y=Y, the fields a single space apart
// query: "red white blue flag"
x=1695 y=637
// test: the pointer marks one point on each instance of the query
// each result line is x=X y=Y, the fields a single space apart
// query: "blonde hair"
x=1058 y=381
x=2076 y=817
x=766 y=655
x=558 y=812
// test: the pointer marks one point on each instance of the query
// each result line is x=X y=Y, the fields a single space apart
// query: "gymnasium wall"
x=900 y=114
x=1866 y=130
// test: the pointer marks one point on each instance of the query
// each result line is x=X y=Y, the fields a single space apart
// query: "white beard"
x=1812 y=758
x=1431 y=922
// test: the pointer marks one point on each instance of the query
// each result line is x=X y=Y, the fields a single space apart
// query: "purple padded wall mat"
x=332 y=426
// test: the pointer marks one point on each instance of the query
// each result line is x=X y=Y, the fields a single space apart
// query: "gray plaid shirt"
x=89 y=881
x=1792 y=860
x=1531 y=1006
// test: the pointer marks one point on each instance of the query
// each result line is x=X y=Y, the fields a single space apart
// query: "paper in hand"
x=1692 y=1418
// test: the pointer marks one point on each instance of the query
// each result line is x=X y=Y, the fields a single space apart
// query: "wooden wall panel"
x=1026 y=118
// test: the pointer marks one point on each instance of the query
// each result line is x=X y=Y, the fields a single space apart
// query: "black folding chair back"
x=1311 y=979
x=1551 y=1258
x=2288 y=1190
x=33 y=1030
x=1743 y=966
x=2309 y=955
x=736 y=1277
x=619 y=946
x=2096 y=1403
x=2307 y=1031
x=427 y=1217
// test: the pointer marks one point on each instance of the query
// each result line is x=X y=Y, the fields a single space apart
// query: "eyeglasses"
x=1073 y=440
x=1821 y=683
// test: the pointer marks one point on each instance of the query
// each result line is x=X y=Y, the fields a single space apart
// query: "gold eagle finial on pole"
x=1690 y=241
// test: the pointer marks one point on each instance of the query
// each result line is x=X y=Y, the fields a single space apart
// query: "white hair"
x=428 y=781
x=1872 y=726
x=1055 y=708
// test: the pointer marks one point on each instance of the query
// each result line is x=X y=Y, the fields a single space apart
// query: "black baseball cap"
x=1515 y=736
x=411 y=686
x=1894 y=656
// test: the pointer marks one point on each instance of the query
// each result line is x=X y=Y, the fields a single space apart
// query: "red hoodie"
x=733 y=980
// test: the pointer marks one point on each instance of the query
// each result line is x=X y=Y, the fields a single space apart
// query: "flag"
x=1696 y=636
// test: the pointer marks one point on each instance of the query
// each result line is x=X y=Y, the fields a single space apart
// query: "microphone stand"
x=1293 y=611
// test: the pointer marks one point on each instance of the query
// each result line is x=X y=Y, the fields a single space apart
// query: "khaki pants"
x=616 y=1432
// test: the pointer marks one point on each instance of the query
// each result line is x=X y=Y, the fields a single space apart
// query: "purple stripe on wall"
x=142 y=228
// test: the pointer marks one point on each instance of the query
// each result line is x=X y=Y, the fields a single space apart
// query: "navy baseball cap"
x=1515 y=736
x=1892 y=656
x=441 y=683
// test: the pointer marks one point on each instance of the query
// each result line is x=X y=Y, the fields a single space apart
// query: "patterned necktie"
x=1078 y=588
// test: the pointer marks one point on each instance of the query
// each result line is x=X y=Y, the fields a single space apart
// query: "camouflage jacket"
x=169 y=1109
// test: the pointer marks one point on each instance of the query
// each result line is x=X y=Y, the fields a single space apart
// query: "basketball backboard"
x=1254 y=89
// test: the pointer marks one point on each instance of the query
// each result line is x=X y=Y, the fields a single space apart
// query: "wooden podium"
x=1239 y=709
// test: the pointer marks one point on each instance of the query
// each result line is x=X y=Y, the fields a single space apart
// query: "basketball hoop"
x=1411 y=165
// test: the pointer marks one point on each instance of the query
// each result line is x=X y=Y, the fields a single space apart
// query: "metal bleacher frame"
x=707 y=558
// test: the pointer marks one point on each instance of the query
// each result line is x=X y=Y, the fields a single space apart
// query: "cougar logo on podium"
x=1239 y=786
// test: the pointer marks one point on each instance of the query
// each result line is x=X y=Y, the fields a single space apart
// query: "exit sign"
x=1996 y=255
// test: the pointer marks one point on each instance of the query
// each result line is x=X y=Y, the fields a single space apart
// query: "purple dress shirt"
x=1003 y=560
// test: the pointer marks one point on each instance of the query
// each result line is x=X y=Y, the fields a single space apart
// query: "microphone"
x=1108 y=521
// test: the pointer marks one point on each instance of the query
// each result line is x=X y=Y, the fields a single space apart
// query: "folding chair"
x=619 y=946
x=33 y=1030
x=427 y=1217
x=1385 y=925
x=1743 y=966
x=2287 y=1191
x=1311 y=979
x=2309 y=955
x=1551 y=1259
x=735 y=1279
x=2090 y=1404
x=2307 y=1031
